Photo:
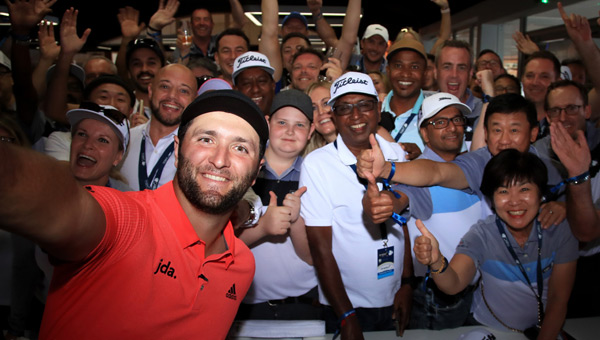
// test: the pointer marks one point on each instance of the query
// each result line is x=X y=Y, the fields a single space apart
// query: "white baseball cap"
x=251 y=59
x=439 y=101
x=376 y=29
x=352 y=82
x=104 y=113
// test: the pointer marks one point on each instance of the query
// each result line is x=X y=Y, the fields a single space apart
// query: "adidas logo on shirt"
x=231 y=293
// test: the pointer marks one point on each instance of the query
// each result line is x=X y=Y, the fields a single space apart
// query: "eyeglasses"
x=442 y=123
x=570 y=110
x=363 y=106
x=486 y=63
x=116 y=116
x=505 y=89
x=201 y=80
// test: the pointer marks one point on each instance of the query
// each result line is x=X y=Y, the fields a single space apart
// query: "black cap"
x=230 y=101
x=144 y=43
x=109 y=79
x=293 y=98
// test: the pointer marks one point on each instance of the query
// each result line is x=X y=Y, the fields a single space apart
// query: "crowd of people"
x=375 y=187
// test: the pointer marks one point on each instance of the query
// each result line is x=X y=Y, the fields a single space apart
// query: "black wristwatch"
x=411 y=281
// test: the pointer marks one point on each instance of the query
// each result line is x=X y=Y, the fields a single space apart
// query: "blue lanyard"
x=415 y=111
x=151 y=182
x=540 y=279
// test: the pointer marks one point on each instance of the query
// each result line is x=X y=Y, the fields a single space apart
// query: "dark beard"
x=207 y=201
x=163 y=120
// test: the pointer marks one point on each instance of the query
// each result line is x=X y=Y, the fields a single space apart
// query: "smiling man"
x=144 y=58
x=407 y=63
x=150 y=161
x=253 y=76
x=152 y=264
x=347 y=248
x=231 y=43
x=454 y=70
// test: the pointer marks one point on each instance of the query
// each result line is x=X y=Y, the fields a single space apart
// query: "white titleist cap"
x=251 y=59
x=352 y=82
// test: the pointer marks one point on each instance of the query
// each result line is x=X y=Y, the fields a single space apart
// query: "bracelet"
x=155 y=35
x=447 y=10
x=153 y=29
x=579 y=179
x=318 y=16
x=392 y=172
x=486 y=98
x=442 y=268
x=342 y=322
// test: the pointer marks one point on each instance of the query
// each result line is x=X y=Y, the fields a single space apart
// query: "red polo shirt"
x=148 y=278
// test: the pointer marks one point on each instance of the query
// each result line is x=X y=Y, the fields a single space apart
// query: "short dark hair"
x=511 y=103
x=511 y=166
x=455 y=44
x=486 y=51
x=565 y=83
x=204 y=63
x=431 y=57
x=544 y=55
x=233 y=31
x=510 y=77
x=295 y=35
x=308 y=51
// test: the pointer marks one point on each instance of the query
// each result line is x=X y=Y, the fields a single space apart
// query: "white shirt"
x=334 y=198
x=130 y=166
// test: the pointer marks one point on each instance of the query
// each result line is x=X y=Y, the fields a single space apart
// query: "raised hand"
x=573 y=154
x=292 y=201
x=164 y=15
x=69 y=40
x=49 y=50
x=128 y=19
x=485 y=78
x=314 y=5
x=442 y=3
x=427 y=249
x=24 y=15
x=333 y=67
x=578 y=27
x=378 y=205
x=525 y=44
x=371 y=160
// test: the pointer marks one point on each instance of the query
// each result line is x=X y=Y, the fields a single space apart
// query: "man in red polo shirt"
x=161 y=264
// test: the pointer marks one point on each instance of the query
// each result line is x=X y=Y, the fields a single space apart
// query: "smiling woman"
x=100 y=135
x=526 y=272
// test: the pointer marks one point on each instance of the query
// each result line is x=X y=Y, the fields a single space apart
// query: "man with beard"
x=143 y=59
x=152 y=264
x=150 y=161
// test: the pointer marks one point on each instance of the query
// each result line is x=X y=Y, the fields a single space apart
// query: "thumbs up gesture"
x=292 y=201
x=427 y=248
x=371 y=160
x=277 y=219
x=378 y=205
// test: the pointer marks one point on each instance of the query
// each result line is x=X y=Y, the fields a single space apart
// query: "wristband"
x=579 y=179
x=486 y=98
x=447 y=10
x=150 y=28
x=442 y=268
x=342 y=322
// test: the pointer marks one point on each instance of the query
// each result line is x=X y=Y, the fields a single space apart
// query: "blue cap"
x=296 y=15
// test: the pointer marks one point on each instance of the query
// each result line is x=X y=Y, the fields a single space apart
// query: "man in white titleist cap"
x=359 y=263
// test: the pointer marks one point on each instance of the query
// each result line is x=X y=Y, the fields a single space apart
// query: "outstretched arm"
x=41 y=200
x=24 y=15
x=349 y=33
x=269 y=42
x=324 y=30
x=56 y=101
x=237 y=12
x=130 y=30
x=420 y=172
x=445 y=25
x=583 y=217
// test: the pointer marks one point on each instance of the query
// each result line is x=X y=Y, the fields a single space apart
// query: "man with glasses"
x=449 y=212
x=359 y=263
x=490 y=60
